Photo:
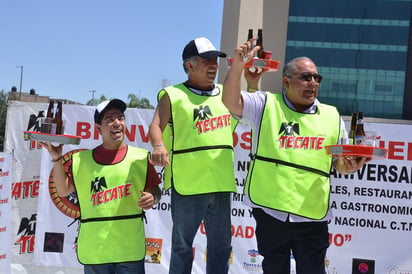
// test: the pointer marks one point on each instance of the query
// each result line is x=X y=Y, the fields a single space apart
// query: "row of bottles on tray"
x=53 y=122
x=261 y=54
x=259 y=42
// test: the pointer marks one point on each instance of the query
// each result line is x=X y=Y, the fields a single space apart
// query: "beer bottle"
x=58 y=118
x=352 y=130
x=250 y=34
x=360 y=135
x=50 y=110
x=259 y=42
x=46 y=125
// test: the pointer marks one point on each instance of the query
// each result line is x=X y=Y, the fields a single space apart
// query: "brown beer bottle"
x=46 y=125
x=250 y=34
x=360 y=135
x=259 y=42
x=50 y=110
x=58 y=118
x=352 y=130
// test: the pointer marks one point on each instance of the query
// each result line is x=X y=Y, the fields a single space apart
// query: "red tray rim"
x=367 y=151
x=271 y=65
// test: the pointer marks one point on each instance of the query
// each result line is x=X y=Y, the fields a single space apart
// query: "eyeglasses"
x=307 y=76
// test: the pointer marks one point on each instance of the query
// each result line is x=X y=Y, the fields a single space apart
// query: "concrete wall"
x=269 y=15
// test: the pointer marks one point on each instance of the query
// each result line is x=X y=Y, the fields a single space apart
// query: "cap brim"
x=213 y=54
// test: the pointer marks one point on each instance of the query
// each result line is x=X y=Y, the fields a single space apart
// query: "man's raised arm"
x=231 y=86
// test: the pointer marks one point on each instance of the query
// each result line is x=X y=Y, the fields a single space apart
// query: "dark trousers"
x=275 y=239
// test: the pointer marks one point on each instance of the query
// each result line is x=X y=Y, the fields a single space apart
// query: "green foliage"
x=136 y=102
x=95 y=102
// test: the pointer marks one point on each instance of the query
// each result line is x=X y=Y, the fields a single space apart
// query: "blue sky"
x=69 y=48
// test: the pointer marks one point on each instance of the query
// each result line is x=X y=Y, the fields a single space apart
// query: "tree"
x=95 y=102
x=145 y=103
x=3 y=114
x=133 y=100
x=136 y=102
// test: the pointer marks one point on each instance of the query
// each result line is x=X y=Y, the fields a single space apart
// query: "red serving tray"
x=47 y=137
x=264 y=64
x=357 y=150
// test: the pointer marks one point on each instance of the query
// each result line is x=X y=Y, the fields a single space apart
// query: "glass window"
x=359 y=47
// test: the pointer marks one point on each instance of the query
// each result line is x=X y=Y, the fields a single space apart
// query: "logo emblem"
x=202 y=113
x=35 y=121
x=27 y=232
x=27 y=226
x=289 y=129
x=363 y=266
x=98 y=184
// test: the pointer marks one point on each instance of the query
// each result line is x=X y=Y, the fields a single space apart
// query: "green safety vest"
x=200 y=143
x=290 y=171
x=111 y=226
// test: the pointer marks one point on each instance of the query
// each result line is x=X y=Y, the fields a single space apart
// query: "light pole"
x=21 y=79
x=92 y=91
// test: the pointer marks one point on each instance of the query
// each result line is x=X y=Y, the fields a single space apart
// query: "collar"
x=214 y=91
x=312 y=109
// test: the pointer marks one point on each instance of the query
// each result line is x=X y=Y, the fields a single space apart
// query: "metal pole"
x=92 y=91
x=21 y=80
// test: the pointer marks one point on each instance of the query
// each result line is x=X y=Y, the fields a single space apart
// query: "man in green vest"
x=114 y=183
x=288 y=183
x=192 y=125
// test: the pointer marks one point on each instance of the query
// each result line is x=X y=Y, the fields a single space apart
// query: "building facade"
x=360 y=49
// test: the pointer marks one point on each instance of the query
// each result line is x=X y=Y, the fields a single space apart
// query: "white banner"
x=372 y=208
x=5 y=212
x=25 y=183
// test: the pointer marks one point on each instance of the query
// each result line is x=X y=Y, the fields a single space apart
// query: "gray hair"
x=290 y=67
x=192 y=60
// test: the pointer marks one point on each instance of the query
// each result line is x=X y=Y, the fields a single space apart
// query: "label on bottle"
x=53 y=127
x=360 y=140
x=46 y=125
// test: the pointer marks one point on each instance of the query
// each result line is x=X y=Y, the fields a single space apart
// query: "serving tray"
x=264 y=64
x=357 y=150
x=47 y=137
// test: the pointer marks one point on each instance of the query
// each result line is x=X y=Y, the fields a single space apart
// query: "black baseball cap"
x=106 y=105
x=201 y=47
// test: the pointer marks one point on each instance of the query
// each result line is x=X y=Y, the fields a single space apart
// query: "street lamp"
x=21 y=79
x=92 y=91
